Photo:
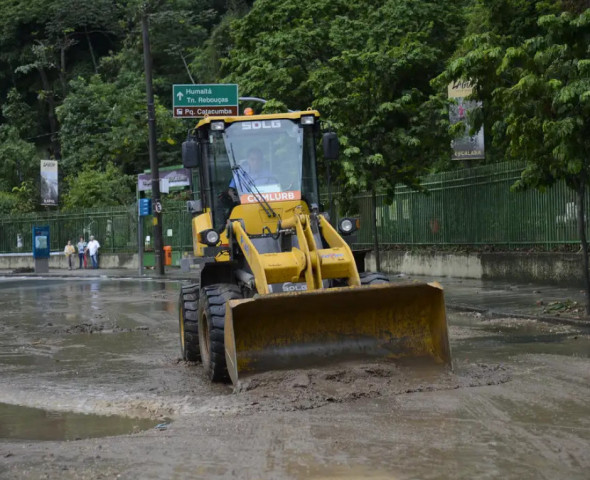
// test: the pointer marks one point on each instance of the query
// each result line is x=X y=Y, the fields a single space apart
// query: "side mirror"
x=331 y=146
x=191 y=154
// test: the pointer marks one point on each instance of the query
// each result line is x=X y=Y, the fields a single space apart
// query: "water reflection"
x=24 y=423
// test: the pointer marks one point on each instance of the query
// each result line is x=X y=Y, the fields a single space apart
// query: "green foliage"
x=17 y=158
x=107 y=122
x=8 y=203
x=52 y=49
x=26 y=197
x=101 y=122
x=548 y=108
x=96 y=188
x=494 y=28
x=206 y=63
x=18 y=114
x=366 y=67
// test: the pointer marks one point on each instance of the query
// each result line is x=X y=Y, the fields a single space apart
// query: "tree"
x=548 y=110
x=106 y=121
x=493 y=26
x=206 y=64
x=367 y=67
x=18 y=158
x=87 y=26
x=97 y=188
x=530 y=68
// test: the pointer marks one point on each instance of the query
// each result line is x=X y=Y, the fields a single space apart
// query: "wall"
x=58 y=261
x=518 y=267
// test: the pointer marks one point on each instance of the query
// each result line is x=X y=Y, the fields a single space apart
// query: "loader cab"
x=285 y=169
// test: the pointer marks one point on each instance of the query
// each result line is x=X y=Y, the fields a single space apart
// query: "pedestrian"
x=81 y=249
x=69 y=251
x=93 y=247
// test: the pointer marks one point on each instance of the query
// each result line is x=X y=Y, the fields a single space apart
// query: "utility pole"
x=156 y=204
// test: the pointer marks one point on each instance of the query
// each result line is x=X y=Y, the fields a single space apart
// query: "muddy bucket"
x=305 y=329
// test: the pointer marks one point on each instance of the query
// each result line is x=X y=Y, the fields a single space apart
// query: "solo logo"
x=261 y=125
x=294 y=287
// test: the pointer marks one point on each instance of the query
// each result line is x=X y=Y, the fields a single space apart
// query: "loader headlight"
x=218 y=126
x=209 y=237
x=346 y=226
x=307 y=120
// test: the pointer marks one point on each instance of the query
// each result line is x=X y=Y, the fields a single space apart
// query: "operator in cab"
x=251 y=175
x=252 y=170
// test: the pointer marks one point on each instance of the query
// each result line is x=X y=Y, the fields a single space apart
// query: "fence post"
x=375 y=233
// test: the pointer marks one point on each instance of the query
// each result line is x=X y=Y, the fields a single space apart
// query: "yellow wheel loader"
x=279 y=287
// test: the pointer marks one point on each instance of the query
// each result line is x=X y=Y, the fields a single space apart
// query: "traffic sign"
x=200 y=100
x=145 y=207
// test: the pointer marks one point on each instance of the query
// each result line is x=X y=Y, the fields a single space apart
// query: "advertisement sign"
x=175 y=178
x=41 y=242
x=49 y=194
x=465 y=147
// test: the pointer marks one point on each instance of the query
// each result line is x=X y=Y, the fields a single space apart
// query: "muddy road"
x=91 y=386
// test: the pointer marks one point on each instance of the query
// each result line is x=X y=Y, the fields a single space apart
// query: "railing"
x=115 y=228
x=465 y=207
x=474 y=207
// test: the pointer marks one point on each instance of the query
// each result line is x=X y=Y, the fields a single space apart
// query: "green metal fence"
x=474 y=207
x=115 y=228
x=465 y=207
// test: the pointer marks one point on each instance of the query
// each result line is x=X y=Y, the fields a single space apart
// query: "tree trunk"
x=375 y=234
x=581 y=191
x=91 y=51
x=186 y=67
x=51 y=114
x=62 y=69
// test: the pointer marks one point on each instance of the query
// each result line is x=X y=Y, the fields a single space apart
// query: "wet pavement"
x=552 y=303
x=25 y=423
x=90 y=350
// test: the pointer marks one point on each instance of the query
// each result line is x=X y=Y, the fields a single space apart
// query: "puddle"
x=25 y=423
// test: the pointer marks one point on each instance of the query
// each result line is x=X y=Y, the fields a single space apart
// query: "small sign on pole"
x=200 y=100
x=145 y=207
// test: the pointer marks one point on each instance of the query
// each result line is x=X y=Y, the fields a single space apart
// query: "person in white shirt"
x=93 y=247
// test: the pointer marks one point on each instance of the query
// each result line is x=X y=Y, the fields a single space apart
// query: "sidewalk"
x=550 y=303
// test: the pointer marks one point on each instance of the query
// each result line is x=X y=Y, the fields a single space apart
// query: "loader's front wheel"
x=188 y=301
x=373 y=278
x=212 y=303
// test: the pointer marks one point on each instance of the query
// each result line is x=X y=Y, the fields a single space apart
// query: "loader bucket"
x=305 y=329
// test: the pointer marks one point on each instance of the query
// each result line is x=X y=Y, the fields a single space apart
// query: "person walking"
x=69 y=251
x=81 y=248
x=93 y=247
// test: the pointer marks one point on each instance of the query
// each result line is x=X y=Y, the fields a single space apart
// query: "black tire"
x=373 y=278
x=212 y=303
x=188 y=320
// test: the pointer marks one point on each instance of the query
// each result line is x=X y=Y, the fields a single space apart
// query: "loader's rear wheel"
x=188 y=304
x=211 y=328
x=373 y=278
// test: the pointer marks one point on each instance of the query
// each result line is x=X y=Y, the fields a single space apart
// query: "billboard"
x=175 y=178
x=49 y=193
x=465 y=147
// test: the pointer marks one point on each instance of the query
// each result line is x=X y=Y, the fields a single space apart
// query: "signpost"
x=197 y=101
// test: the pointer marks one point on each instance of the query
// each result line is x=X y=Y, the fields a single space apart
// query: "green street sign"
x=196 y=101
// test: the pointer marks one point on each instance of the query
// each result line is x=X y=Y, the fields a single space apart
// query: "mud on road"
x=96 y=354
